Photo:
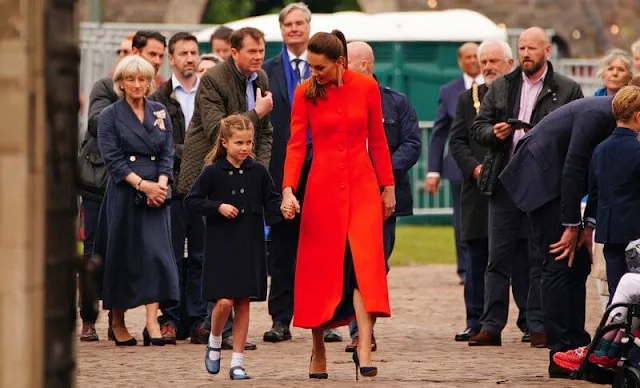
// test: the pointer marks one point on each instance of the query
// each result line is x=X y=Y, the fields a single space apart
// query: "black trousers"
x=282 y=268
x=616 y=265
x=563 y=287
x=462 y=250
x=91 y=279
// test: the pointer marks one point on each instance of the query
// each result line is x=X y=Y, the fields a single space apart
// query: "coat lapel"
x=281 y=81
x=130 y=120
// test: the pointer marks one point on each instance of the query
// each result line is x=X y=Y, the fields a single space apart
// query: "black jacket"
x=468 y=154
x=501 y=103
x=102 y=95
x=166 y=96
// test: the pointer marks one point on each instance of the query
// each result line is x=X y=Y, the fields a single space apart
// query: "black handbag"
x=140 y=198
x=92 y=171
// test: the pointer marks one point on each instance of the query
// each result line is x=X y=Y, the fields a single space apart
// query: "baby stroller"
x=626 y=373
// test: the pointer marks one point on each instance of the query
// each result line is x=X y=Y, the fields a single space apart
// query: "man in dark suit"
x=520 y=98
x=286 y=71
x=547 y=178
x=438 y=164
x=495 y=59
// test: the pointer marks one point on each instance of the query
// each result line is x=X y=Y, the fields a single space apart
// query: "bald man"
x=439 y=165
x=513 y=104
x=403 y=137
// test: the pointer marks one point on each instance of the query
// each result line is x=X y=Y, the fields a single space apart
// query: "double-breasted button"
x=233 y=192
x=153 y=157
x=341 y=148
x=132 y=158
x=242 y=211
x=340 y=110
x=241 y=191
x=343 y=185
x=240 y=171
x=342 y=166
x=230 y=172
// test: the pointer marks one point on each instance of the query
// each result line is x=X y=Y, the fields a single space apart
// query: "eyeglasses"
x=123 y=51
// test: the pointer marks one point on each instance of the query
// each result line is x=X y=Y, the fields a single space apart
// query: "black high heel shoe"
x=148 y=340
x=319 y=376
x=130 y=342
x=367 y=371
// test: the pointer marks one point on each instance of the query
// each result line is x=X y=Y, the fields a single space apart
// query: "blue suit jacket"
x=615 y=187
x=552 y=159
x=437 y=162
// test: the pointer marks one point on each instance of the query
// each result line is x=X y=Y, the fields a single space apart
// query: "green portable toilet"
x=415 y=53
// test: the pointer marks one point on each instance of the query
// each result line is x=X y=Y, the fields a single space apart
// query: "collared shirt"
x=251 y=94
x=529 y=93
x=469 y=80
x=187 y=100
x=302 y=65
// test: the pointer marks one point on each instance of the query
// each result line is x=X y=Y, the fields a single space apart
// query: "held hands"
x=502 y=130
x=264 y=104
x=388 y=201
x=431 y=184
x=290 y=204
x=228 y=211
x=156 y=192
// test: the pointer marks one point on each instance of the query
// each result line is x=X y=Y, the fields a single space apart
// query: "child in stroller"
x=606 y=359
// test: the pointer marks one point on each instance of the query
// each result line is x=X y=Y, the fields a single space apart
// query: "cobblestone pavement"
x=415 y=349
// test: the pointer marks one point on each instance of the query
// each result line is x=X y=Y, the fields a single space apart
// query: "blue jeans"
x=389 y=241
x=190 y=226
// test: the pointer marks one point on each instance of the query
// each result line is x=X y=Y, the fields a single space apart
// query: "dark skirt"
x=345 y=312
x=135 y=245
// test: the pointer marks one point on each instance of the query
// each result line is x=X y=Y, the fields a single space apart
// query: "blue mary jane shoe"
x=238 y=373
x=212 y=365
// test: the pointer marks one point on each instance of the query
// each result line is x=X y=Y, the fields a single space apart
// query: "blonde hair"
x=626 y=103
x=612 y=55
x=131 y=66
x=228 y=126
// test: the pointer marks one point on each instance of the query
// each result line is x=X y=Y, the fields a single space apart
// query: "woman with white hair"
x=134 y=236
x=616 y=71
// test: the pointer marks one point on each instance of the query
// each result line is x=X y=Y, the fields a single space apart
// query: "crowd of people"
x=181 y=176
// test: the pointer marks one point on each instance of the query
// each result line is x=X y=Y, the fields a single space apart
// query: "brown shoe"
x=199 y=335
x=168 y=331
x=538 y=340
x=88 y=333
x=485 y=338
x=227 y=344
x=351 y=348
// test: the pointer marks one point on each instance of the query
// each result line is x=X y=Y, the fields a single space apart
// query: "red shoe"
x=601 y=361
x=571 y=359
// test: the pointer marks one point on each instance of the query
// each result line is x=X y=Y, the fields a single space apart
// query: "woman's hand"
x=388 y=201
x=228 y=211
x=290 y=205
x=156 y=192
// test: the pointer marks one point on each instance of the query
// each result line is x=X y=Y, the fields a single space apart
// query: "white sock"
x=215 y=341
x=236 y=359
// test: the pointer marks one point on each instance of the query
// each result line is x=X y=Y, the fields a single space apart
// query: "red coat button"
x=342 y=167
x=341 y=148
x=340 y=110
x=343 y=185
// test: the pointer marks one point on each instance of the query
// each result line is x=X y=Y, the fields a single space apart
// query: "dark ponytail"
x=332 y=45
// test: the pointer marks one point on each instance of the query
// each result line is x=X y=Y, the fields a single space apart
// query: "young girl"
x=236 y=194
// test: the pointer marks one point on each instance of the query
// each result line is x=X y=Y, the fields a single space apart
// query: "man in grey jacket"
x=513 y=104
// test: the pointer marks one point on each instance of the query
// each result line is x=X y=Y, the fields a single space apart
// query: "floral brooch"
x=160 y=116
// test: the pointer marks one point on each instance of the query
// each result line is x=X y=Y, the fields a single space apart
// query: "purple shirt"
x=528 y=96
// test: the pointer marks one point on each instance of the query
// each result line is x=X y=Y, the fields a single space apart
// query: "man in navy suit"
x=286 y=71
x=547 y=178
x=438 y=165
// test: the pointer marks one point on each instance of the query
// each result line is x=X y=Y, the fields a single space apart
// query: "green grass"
x=423 y=245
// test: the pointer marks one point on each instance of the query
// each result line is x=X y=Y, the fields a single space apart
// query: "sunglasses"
x=122 y=51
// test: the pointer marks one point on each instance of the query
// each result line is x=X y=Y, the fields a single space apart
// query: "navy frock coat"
x=235 y=263
x=134 y=241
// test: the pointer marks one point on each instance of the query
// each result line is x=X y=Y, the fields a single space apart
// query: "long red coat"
x=342 y=199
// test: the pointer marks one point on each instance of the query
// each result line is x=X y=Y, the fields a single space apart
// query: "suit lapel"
x=130 y=120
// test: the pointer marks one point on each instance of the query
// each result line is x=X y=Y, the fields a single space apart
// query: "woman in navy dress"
x=134 y=238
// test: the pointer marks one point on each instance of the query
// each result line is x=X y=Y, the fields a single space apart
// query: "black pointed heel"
x=318 y=376
x=148 y=340
x=367 y=371
x=130 y=342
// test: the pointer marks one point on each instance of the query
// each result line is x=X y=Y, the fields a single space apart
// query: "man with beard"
x=178 y=95
x=513 y=104
x=496 y=59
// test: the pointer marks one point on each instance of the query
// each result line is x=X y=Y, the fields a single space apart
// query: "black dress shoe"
x=526 y=337
x=332 y=335
x=558 y=372
x=227 y=344
x=278 y=333
x=465 y=335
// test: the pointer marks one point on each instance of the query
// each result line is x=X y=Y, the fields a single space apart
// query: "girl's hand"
x=388 y=201
x=290 y=205
x=228 y=211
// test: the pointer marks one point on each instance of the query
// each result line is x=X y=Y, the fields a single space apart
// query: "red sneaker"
x=601 y=361
x=571 y=359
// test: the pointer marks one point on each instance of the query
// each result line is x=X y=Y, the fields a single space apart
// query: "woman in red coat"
x=340 y=266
